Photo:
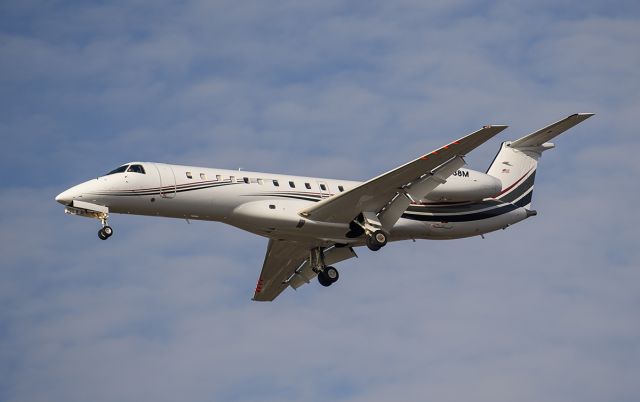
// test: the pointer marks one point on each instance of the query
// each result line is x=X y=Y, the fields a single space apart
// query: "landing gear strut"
x=326 y=275
x=106 y=230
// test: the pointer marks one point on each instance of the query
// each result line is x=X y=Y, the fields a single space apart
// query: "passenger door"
x=167 y=180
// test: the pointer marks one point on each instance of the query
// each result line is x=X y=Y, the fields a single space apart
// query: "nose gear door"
x=167 y=180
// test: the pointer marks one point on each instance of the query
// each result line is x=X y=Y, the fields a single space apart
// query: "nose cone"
x=65 y=197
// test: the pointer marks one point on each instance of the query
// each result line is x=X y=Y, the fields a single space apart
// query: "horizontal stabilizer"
x=545 y=134
x=516 y=162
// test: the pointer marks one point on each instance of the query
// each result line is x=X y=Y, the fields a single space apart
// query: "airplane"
x=315 y=223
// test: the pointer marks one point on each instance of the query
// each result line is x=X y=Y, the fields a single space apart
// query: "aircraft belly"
x=274 y=218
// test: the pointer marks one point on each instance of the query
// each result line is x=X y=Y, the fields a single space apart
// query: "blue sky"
x=546 y=310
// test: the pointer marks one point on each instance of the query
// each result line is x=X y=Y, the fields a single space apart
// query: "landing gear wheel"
x=105 y=232
x=377 y=240
x=328 y=276
x=323 y=279
x=371 y=245
x=332 y=274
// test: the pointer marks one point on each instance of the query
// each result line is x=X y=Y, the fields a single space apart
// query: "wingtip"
x=495 y=128
x=584 y=115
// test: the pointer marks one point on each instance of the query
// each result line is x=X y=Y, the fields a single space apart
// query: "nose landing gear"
x=105 y=233
x=95 y=211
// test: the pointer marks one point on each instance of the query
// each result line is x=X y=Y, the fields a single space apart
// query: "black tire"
x=371 y=245
x=380 y=237
x=108 y=231
x=377 y=240
x=324 y=280
x=331 y=274
x=102 y=235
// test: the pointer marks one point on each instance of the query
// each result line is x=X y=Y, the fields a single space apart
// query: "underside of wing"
x=378 y=192
x=280 y=262
x=288 y=263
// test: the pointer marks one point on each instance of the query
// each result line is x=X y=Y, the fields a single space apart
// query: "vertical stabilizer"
x=516 y=162
x=517 y=171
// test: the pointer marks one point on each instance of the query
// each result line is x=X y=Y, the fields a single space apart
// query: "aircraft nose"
x=64 y=197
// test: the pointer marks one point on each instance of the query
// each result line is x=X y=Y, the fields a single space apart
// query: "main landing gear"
x=368 y=224
x=106 y=230
x=377 y=240
x=327 y=276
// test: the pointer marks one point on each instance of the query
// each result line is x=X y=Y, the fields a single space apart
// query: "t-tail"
x=516 y=162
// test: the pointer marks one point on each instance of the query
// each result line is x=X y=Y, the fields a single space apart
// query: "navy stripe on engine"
x=490 y=213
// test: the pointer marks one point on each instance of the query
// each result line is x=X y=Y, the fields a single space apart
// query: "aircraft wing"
x=545 y=134
x=381 y=191
x=287 y=264
x=282 y=259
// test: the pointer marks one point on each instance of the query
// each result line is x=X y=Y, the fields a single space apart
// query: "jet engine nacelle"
x=466 y=185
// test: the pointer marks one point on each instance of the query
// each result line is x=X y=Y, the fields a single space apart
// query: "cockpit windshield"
x=136 y=169
x=118 y=170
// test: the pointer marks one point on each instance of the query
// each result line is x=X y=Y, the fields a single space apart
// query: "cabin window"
x=189 y=175
x=323 y=187
x=260 y=182
x=308 y=186
x=136 y=169
x=246 y=180
x=121 y=169
x=292 y=184
x=218 y=177
x=341 y=188
x=203 y=176
x=276 y=184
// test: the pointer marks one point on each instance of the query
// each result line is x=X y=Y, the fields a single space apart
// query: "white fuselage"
x=268 y=204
